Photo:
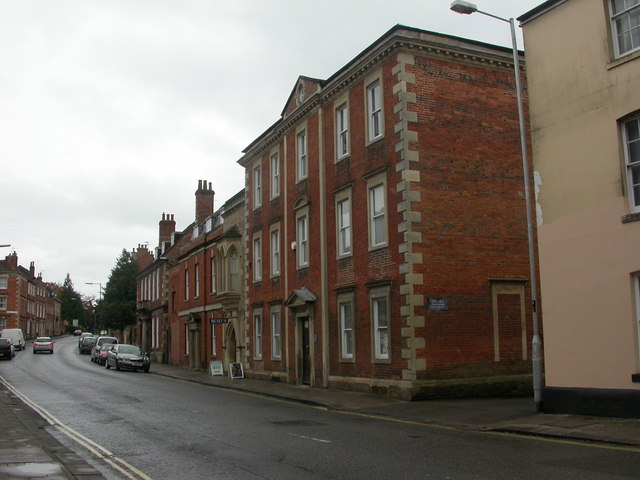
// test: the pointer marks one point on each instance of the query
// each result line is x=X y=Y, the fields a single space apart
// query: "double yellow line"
x=118 y=464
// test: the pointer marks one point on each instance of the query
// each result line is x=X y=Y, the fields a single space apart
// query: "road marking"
x=580 y=443
x=310 y=438
x=128 y=470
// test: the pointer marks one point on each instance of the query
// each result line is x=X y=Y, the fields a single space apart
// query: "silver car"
x=43 y=344
x=127 y=356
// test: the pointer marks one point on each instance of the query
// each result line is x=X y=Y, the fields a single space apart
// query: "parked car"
x=102 y=354
x=16 y=336
x=43 y=344
x=7 y=350
x=127 y=356
x=95 y=350
x=77 y=333
x=83 y=335
x=86 y=344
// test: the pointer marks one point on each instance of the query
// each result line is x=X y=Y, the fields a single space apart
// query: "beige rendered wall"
x=577 y=94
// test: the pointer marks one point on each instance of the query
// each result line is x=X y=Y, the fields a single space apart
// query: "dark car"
x=77 y=333
x=6 y=348
x=127 y=356
x=95 y=350
x=86 y=344
x=83 y=335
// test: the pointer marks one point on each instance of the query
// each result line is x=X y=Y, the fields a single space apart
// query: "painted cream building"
x=583 y=68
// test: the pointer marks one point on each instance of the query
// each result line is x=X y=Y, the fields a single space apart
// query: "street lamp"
x=99 y=286
x=467 y=8
x=100 y=297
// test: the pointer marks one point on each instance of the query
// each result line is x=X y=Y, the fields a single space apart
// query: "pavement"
x=29 y=450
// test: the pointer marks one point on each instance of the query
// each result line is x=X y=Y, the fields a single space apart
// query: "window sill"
x=632 y=217
x=624 y=59
x=373 y=141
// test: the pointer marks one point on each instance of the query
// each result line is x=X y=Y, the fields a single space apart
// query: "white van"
x=16 y=336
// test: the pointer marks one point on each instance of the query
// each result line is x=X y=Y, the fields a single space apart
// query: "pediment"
x=300 y=297
x=303 y=90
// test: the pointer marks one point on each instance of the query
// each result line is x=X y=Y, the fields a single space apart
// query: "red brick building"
x=386 y=235
x=26 y=301
x=190 y=304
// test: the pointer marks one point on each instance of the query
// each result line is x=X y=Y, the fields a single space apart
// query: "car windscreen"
x=129 y=349
x=88 y=341
x=43 y=340
x=4 y=342
x=107 y=346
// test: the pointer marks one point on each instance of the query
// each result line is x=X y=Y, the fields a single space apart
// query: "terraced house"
x=190 y=308
x=27 y=301
x=385 y=234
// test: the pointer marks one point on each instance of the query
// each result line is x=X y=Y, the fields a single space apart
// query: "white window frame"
x=342 y=130
x=375 y=111
x=344 y=236
x=186 y=284
x=4 y=282
x=302 y=156
x=274 y=248
x=274 y=174
x=276 y=333
x=257 y=334
x=257 y=186
x=257 y=257
x=632 y=165
x=628 y=9
x=380 y=334
x=3 y=302
x=376 y=217
x=347 y=332
x=302 y=239
x=196 y=280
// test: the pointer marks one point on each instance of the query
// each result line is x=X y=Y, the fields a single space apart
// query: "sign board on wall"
x=438 y=304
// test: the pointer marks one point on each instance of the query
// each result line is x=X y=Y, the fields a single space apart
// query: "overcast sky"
x=112 y=110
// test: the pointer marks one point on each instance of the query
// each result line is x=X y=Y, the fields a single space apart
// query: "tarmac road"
x=172 y=429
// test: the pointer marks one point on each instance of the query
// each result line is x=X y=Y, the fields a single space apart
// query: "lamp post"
x=100 y=297
x=467 y=8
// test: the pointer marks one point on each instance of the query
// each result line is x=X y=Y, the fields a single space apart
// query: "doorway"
x=305 y=347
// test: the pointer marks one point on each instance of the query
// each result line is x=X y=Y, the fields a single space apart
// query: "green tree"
x=72 y=306
x=118 y=309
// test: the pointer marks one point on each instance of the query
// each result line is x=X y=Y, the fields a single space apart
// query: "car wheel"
x=107 y=365
x=146 y=370
x=117 y=365
x=34 y=351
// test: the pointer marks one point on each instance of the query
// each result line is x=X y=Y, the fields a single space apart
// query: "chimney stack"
x=12 y=260
x=204 y=201
x=32 y=269
x=166 y=227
